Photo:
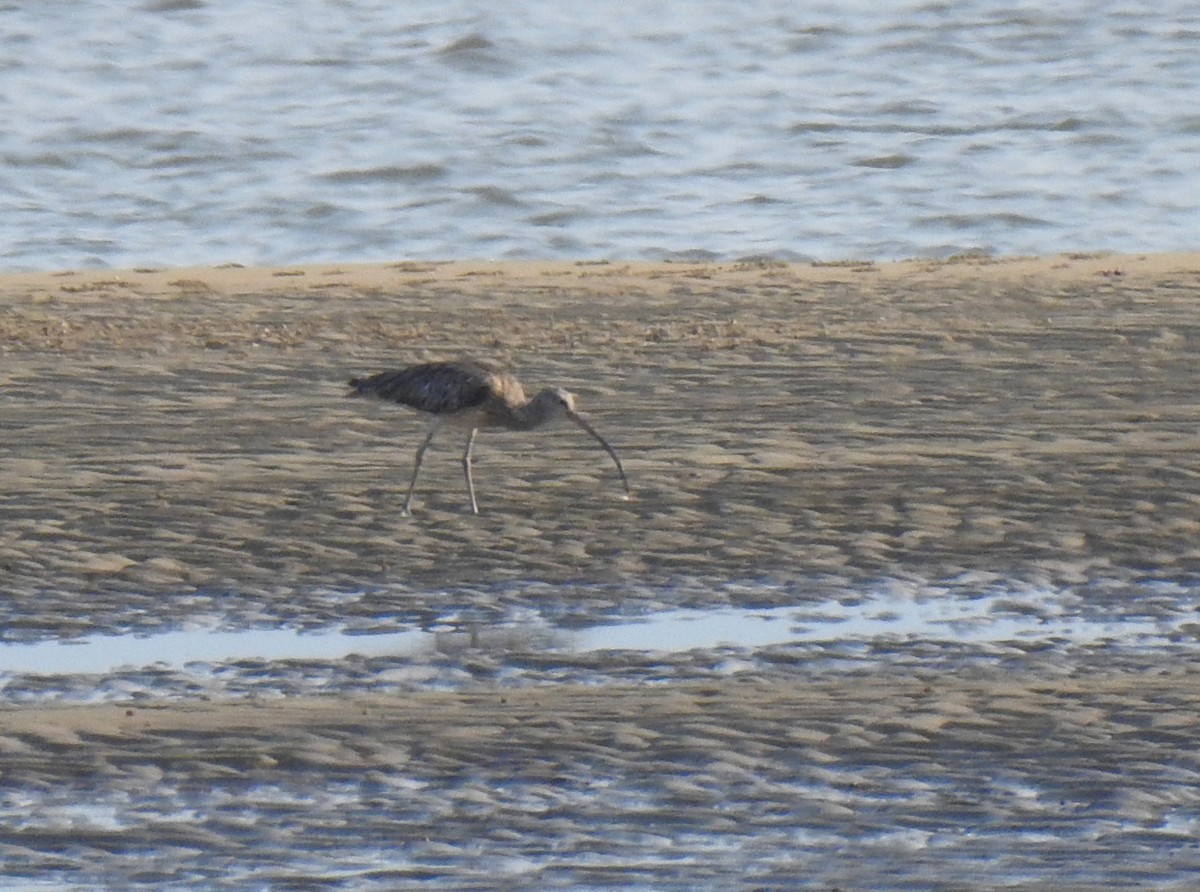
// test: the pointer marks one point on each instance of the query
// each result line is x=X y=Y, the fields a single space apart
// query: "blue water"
x=179 y=132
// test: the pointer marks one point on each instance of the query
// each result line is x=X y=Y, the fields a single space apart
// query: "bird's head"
x=558 y=403
x=565 y=399
x=552 y=404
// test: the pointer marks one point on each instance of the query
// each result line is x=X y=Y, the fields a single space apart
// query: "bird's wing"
x=435 y=387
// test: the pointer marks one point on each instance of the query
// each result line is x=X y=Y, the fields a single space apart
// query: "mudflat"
x=179 y=441
x=168 y=431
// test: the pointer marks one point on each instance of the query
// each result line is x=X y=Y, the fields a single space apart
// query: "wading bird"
x=472 y=395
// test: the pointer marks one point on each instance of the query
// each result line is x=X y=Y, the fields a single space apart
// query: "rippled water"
x=183 y=131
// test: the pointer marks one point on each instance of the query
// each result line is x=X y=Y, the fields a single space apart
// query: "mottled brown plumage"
x=475 y=395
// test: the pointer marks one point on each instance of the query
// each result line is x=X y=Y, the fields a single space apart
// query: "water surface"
x=945 y=625
x=186 y=133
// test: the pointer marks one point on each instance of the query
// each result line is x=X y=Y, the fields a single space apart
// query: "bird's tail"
x=378 y=384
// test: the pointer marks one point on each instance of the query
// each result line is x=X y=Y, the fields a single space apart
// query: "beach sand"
x=179 y=432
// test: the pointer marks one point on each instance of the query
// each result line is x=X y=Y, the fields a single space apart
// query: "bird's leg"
x=412 y=484
x=466 y=462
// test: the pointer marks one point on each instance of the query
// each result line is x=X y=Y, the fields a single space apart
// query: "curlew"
x=472 y=395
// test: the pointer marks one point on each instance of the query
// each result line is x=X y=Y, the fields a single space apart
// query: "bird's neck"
x=536 y=412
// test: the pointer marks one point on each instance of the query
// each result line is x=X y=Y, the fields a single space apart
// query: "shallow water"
x=529 y=646
x=176 y=133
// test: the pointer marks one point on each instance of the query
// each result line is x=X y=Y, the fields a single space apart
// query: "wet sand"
x=187 y=430
x=1035 y=777
x=177 y=443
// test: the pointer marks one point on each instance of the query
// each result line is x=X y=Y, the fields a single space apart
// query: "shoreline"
x=653 y=276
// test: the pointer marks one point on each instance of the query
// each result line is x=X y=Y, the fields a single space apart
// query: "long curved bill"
x=583 y=423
